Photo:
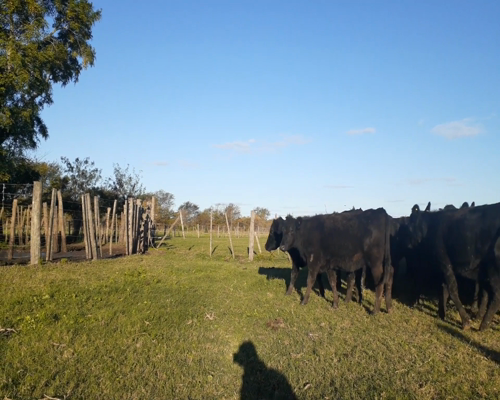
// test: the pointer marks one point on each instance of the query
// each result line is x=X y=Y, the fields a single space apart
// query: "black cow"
x=274 y=241
x=461 y=242
x=346 y=242
x=424 y=277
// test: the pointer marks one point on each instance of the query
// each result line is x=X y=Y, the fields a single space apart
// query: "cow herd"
x=449 y=248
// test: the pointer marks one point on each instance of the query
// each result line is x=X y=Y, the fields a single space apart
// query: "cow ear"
x=299 y=222
x=415 y=209
x=428 y=208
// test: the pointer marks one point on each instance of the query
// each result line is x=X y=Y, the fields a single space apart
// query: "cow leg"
x=332 y=278
x=377 y=274
x=443 y=300
x=293 y=279
x=388 y=288
x=474 y=307
x=360 y=282
x=483 y=305
x=319 y=281
x=311 y=278
x=493 y=307
x=350 y=283
x=452 y=287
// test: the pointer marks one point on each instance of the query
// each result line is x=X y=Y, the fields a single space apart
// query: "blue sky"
x=297 y=106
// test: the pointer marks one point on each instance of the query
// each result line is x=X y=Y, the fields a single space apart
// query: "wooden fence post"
x=182 y=224
x=167 y=232
x=10 y=252
x=50 y=224
x=113 y=218
x=229 y=233
x=130 y=225
x=2 y=224
x=106 y=236
x=55 y=235
x=258 y=243
x=98 y=226
x=251 y=236
x=198 y=229
x=61 y=222
x=210 y=233
x=36 y=219
x=86 y=238
x=20 y=219
x=90 y=224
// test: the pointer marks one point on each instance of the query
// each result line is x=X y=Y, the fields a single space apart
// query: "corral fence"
x=33 y=230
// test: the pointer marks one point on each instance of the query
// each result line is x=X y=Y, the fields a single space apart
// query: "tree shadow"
x=259 y=381
x=491 y=354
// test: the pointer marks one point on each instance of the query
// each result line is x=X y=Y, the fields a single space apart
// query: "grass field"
x=175 y=324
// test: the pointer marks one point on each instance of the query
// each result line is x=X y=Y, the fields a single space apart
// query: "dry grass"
x=175 y=324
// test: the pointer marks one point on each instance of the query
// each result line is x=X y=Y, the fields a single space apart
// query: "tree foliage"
x=165 y=202
x=233 y=213
x=189 y=212
x=42 y=42
x=262 y=213
x=125 y=183
x=82 y=176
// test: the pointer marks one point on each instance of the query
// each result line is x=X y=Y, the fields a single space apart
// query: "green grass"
x=166 y=325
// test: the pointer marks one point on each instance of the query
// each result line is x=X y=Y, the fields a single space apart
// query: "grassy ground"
x=175 y=324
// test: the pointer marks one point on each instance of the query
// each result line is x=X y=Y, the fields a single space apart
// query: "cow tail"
x=387 y=249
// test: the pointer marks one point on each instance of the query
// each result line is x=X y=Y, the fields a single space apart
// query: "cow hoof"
x=335 y=306
x=303 y=303
x=389 y=311
x=466 y=325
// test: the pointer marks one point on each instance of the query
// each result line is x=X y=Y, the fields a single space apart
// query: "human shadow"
x=259 y=381
x=493 y=355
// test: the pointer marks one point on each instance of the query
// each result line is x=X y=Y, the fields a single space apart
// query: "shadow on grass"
x=488 y=353
x=259 y=381
x=301 y=282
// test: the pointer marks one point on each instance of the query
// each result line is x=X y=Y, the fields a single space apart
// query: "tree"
x=262 y=213
x=233 y=212
x=82 y=176
x=189 y=212
x=125 y=183
x=42 y=42
x=165 y=201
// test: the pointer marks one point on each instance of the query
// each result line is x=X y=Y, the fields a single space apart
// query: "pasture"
x=177 y=324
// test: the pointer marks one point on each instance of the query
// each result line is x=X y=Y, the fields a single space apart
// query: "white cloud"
x=254 y=146
x=361 y=131
x=239 y=147
x=456 y=129
x=160 y=163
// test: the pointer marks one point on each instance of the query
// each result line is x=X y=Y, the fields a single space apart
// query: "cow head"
x=275 y=234
x=290 y=229
x=412 y=232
